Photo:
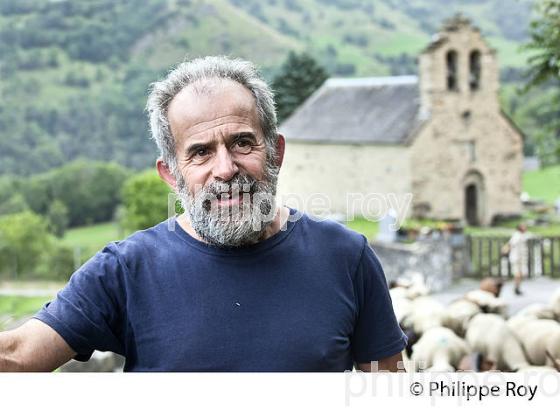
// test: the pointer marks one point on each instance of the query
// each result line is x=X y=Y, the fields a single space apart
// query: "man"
x=518 y=249
x=236 y=283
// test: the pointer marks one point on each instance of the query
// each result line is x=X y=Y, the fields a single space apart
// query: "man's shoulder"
x=334 y=236
x=332 y=228
x=145 y=241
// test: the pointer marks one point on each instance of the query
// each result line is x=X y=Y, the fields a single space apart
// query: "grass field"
x=21 y=305
x=367 y=228
x=91 y=239
x=543 y=184
x=48 y=286
x=549 y=230
x=13 y=308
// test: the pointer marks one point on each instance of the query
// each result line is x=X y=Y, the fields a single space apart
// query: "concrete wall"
x=313 y=170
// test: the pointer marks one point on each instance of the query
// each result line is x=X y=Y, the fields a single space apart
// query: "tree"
x=57 y=264
x=58 y=218
x=14 y=204
x=299 y=76
x=145 y=199
x=89 y=190
x=24 y=240
x=11 y=199
x=545 y=72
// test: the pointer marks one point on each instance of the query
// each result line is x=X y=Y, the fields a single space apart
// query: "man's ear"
x=165 y=174
x=280 y=149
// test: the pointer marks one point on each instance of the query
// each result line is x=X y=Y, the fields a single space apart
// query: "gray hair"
x=208 y=68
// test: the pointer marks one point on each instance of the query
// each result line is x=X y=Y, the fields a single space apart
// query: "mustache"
x=240 y=183
x=238 y=186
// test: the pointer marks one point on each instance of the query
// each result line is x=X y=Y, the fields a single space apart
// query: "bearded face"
x=226 y=170
x=233 y=213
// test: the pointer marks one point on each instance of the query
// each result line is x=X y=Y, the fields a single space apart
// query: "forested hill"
x=74 y=73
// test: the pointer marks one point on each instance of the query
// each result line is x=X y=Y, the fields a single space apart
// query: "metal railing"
x=485 y=257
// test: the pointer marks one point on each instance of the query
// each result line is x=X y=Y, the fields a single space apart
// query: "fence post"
x=500 y=258
x=552 y=266
x=541 y=248
x=490 y=256
x=530 y=258
x=479 y=257
x=468 y=255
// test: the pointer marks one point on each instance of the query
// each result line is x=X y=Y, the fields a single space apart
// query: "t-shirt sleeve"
x=376 y=334
x=88 y=312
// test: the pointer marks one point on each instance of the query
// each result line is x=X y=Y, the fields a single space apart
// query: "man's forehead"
x=208 y=100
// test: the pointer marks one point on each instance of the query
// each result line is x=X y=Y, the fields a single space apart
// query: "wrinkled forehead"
x=210 y=100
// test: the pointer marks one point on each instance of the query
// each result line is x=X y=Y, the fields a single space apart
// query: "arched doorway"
x=471 y=205
x=474 y=197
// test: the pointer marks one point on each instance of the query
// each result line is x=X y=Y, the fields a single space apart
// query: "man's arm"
x=33 y=347
x=387 y=364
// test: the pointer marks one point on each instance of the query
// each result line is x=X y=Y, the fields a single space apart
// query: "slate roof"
x=377 y=110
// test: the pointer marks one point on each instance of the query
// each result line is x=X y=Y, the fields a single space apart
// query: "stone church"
x=441 y=137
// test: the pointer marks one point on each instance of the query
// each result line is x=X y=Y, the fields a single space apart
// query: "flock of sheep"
x=474 y=332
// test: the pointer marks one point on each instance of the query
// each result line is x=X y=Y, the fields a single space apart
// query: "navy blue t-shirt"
x=312 y=297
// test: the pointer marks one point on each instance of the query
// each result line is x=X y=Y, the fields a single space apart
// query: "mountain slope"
x=74 y=74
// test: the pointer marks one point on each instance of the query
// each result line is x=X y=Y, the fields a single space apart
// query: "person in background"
x=518 y=253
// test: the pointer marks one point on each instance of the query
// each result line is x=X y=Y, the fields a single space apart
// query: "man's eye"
x=243 y=145
x=201 y=152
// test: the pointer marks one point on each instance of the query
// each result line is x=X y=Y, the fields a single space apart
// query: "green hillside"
x=543 y=184
x=74 y=74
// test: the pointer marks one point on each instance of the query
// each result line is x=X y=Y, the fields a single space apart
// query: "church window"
x=472 y=150
x=451 y=58
x=474 y=70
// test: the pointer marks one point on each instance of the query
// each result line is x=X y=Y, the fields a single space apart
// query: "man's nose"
x=224 y=167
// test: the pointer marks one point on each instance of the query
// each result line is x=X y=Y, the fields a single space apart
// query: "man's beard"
x=239 y=224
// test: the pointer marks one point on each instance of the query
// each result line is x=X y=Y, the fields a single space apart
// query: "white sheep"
x=458 y=314
x=411 y=285
x=540 y=339
x=398 y=292
x=417 y=290
x=425 y=313
x=490 y=335
x=537 y=310
x=439 y=349
x=487 y=301
x=516 y=322
x=402 y=307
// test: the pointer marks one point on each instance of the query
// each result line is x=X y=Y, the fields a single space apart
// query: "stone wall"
x=468 y=140
x=440 y=261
